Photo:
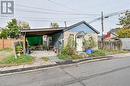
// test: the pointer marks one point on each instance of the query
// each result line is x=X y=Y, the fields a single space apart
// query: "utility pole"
x=65 y=24
x=102 y=25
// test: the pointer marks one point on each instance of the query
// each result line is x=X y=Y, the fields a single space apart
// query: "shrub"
x=90 y=43
x=19 y=48
x=69 y=52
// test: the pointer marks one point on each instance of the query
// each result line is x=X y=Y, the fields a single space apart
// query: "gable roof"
x=114 y=31
x=79 y=23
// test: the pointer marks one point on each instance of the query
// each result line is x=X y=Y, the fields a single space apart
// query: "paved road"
x=114 y=72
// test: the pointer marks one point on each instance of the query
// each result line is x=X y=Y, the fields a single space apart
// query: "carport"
x=30 y=34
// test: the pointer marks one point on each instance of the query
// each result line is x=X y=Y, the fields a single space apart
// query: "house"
x=112 y=41
x=111 y=35
x=57 y=39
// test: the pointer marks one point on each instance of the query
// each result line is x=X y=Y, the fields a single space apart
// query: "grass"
x=11 y=60
x=97 y=53
x=7 y=49
x=68 y=57
x=110 y=52
x=64 y=57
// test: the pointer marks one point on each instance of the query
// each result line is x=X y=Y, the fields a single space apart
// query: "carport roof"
x=41 y=31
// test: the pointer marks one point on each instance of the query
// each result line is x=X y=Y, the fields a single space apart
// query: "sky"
x=40 y=13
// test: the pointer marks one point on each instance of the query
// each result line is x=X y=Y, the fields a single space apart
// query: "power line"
x=61 y=5
x=109 y=15
x=41 y=18
x=44 y=12
x=46 y=17
x=55 y=11
x=24 y=6
x=45 y=20
x=64 y=6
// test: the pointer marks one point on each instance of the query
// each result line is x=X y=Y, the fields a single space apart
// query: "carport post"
x=24 y=43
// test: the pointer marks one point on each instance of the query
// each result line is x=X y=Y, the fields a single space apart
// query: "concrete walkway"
x=40 y=54
x=51 y=55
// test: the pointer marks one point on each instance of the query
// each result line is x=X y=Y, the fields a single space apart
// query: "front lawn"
x=12 y=61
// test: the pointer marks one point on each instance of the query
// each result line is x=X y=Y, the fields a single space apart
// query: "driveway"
x=115 y=72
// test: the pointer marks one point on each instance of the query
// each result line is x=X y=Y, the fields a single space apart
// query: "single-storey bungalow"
x=57 y=38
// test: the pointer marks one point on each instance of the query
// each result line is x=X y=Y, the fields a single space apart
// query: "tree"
x=54 y=25
x=125 y=20
x=23 y=25
x=124 y=31
x=4 y=33
x=13 y=29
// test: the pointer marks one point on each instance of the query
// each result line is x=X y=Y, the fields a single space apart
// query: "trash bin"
x=89 y=51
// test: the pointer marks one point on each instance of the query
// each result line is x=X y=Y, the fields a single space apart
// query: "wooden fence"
x=7 y=43
x=110 y=45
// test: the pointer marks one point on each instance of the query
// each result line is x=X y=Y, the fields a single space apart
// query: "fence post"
x=2 y=42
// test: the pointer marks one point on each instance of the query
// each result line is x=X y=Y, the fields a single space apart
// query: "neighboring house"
x=58 y=38
x=112 y=34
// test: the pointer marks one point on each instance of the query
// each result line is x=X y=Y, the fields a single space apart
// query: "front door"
x=79 y=43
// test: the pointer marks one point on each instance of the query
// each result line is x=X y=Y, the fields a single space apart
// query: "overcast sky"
x=40 y=13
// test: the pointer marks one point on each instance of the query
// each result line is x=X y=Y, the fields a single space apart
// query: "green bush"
x=19 y=49
x=89 y=44
x=98 y=53
x=69 y=52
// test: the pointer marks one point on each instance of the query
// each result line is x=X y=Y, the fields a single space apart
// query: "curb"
x=57 y=64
